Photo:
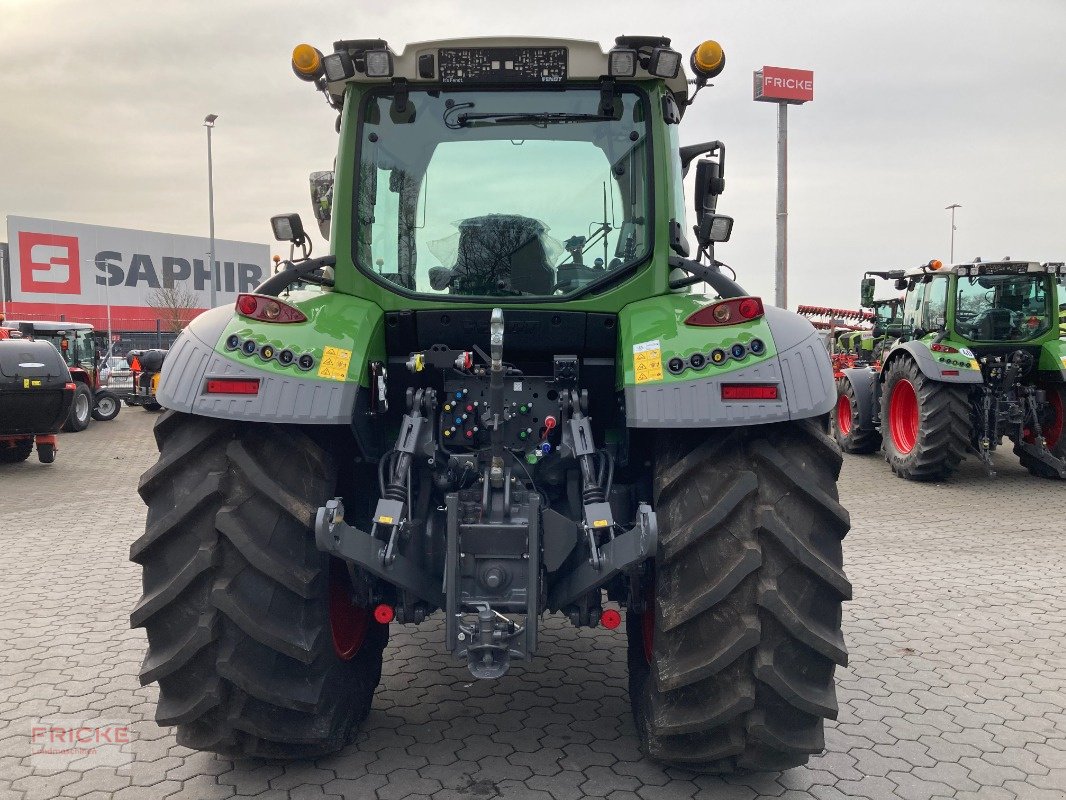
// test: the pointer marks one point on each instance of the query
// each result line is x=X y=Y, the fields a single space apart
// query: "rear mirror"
x=709 y=184
x=322 y=200
x=901 y=284
x=866 y=292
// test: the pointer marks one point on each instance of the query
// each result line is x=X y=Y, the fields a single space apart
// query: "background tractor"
x=975 y=356
x=75 y=342
x=498 y=397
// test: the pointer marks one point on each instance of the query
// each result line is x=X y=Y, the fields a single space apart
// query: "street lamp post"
x=209 y=123
x=107 y=299
x=951 y=208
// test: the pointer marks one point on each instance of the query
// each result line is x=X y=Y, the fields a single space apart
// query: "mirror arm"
x=273 y=285
x=702 y=273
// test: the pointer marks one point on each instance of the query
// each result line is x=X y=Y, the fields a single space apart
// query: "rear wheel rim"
x=106 y=406
x=903 y=416
x=348 y=623
x=81 y=407
x=844 y=414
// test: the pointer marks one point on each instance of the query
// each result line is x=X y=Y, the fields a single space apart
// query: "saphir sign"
x=75 y=269
x=784 y=85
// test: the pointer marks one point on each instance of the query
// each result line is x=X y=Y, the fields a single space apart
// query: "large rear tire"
x=731 y=668
x=1053 y=428
x=846 y=423
x=237 y=599
x=926 y=423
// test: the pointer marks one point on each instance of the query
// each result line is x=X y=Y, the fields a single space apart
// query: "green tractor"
x=498 y=397
x=975 y=356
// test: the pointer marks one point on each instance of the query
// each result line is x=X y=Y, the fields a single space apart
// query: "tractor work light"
x=622 y=62
x=708 y=60
x=267 y=309
x=664 y=62
x=727 y=312
x=288 y=228
x=378 y=64
x=338 y=66
x=306 y=62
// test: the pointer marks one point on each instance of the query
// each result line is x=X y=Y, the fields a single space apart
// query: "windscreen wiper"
x=540 y=120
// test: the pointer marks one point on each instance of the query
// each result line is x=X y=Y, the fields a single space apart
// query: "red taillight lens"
x=749 y=391
x=232 y=386
x=727 y=312
x=70 y=387
x=943 y=348
x=268 y=309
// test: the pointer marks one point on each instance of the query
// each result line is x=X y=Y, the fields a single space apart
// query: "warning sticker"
x=334 y=363
x=648 y=361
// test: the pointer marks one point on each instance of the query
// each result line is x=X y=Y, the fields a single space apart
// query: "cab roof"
x=49 y=326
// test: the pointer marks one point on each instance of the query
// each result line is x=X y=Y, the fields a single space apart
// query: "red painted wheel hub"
x=348 y=623
x=844 y=414
x=903 y=416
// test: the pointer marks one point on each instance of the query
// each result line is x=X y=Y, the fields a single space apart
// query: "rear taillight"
x=70 y=387
x=232 y=386
x=727 y=312
x=749 y=391
x=267 y=309
x=943 y=348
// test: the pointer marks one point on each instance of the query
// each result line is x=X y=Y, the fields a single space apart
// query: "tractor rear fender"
x=795 y=361
x=920 y=354
x=290 y=396
x=867 y=395
x=1052 y=364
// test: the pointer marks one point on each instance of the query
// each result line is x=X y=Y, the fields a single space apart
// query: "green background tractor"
x=497 y=397
x=976 y=356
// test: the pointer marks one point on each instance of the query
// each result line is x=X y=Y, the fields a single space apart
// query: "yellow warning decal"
x=599 y=523
x=334 y=363
x=385 y=520
x=648 y=361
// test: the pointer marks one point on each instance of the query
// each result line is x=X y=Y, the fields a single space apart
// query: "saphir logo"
x=49 y=263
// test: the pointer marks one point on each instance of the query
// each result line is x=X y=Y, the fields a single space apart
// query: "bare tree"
x=175 y=304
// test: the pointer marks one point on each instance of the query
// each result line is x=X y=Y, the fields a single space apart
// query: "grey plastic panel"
x=281 y=398
x=801 y=367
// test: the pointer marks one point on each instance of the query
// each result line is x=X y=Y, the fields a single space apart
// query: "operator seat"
x=499 y=252
x=994 y=324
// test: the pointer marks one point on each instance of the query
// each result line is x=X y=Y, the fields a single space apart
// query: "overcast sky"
x=918 y=104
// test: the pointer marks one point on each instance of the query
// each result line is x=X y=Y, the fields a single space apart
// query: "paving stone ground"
x=956 y=686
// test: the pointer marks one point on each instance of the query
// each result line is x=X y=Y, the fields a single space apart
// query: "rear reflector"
x=749 y=391
x=232 y=386
x=949 y=372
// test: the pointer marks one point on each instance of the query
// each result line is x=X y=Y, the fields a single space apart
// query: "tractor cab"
x=73 y=340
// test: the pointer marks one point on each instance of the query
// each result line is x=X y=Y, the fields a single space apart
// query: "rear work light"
x=727 y=312
x=267 y=309
x=232 y=386
x=749 y=391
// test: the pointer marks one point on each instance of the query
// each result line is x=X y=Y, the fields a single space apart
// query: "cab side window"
x=935 y=307
x=912 y=308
